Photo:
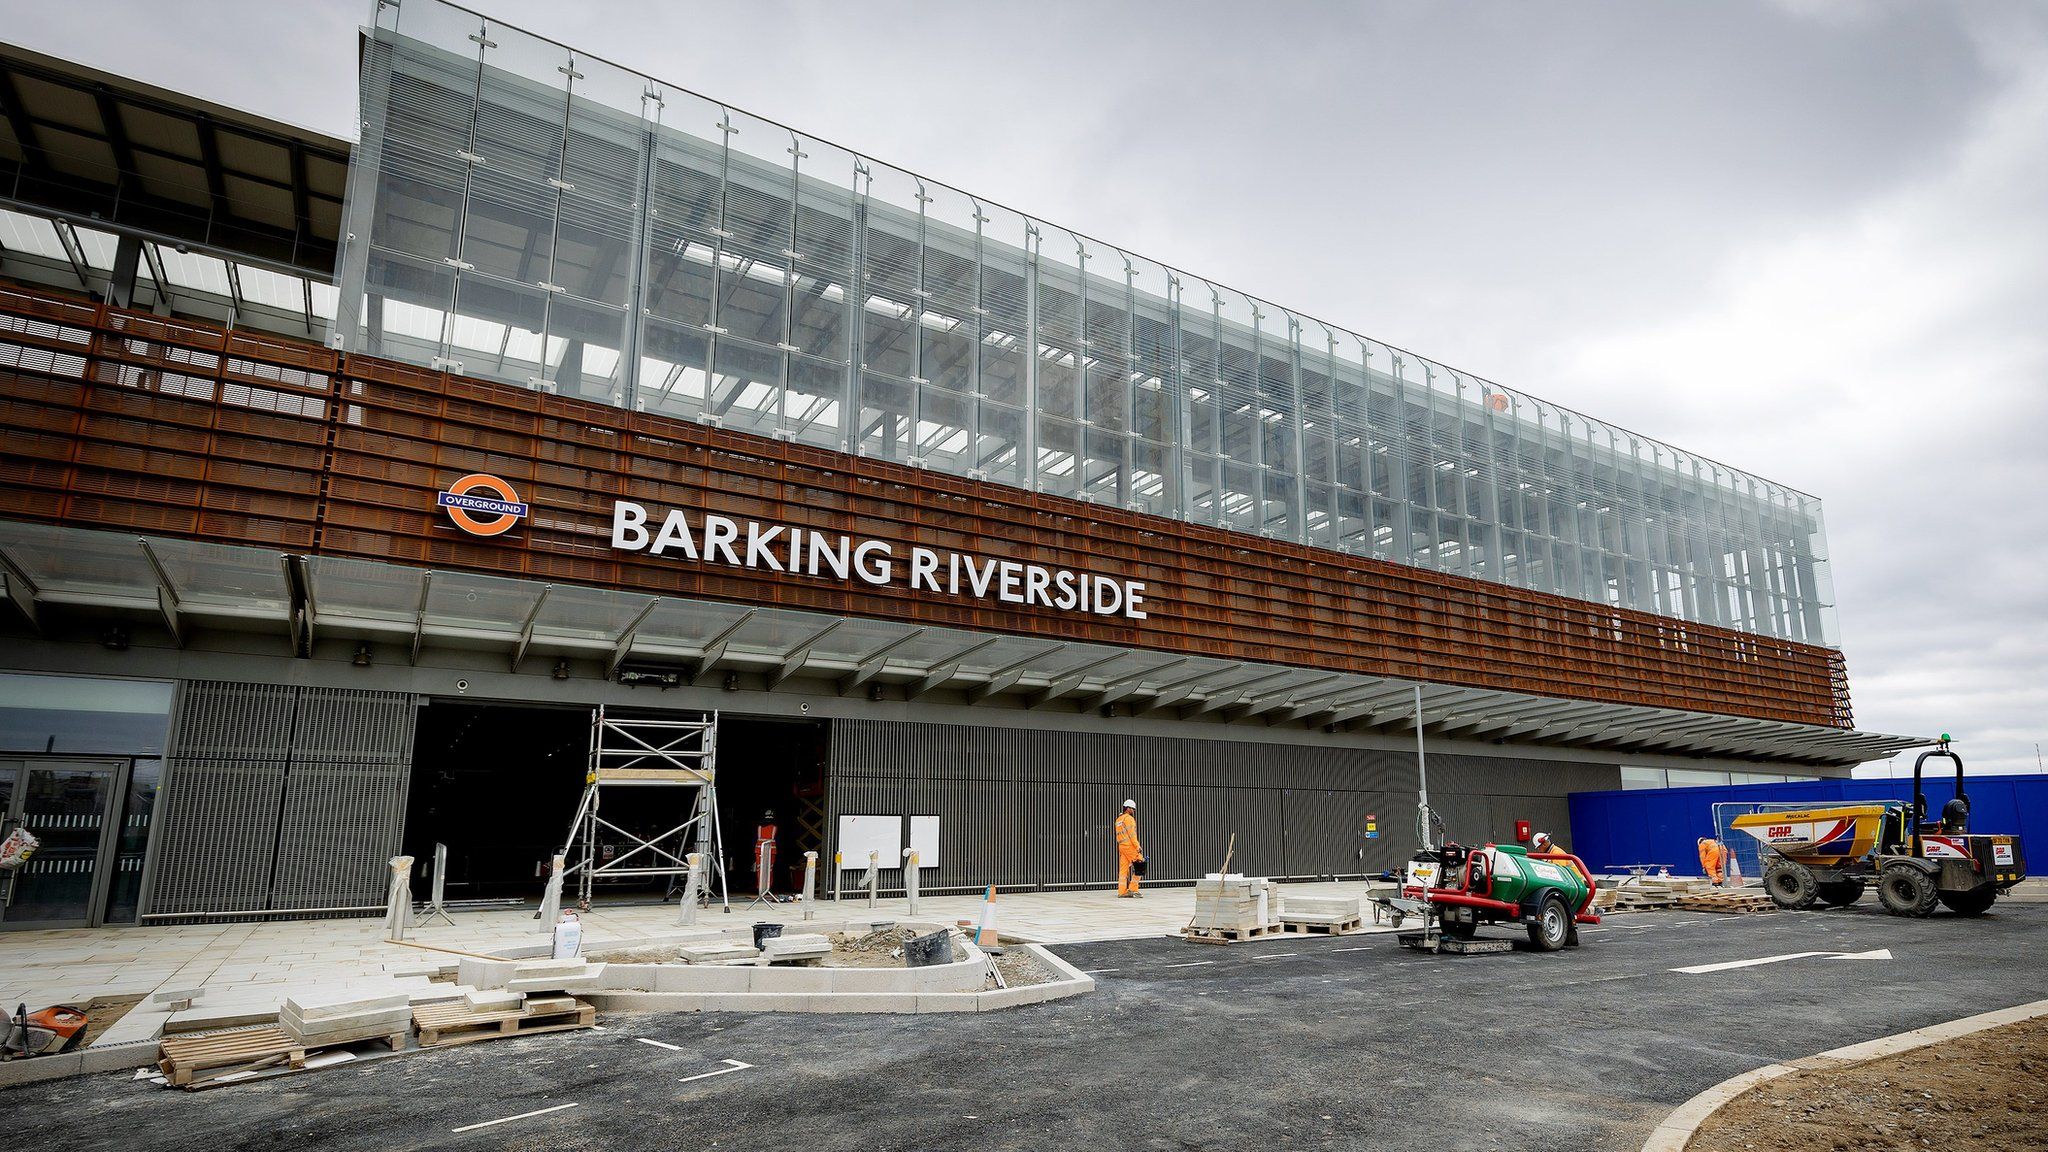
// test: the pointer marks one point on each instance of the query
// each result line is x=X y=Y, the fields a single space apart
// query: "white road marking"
x=660 y=1044
x=1728 y=965
x=1358 y=949
x=509 y=1119
x=1100 y=971
x=1189 y=964
x=1277 y=956
x=737 y=1066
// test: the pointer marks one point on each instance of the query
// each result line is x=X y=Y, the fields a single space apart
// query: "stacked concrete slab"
x=1235 y=903
x=1320 y=910
x=803 y=948
x=342 y=1016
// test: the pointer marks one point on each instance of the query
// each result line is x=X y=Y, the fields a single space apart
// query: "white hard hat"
x=1130 y=803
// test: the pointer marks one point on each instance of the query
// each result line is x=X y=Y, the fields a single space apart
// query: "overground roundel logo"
x=482 y=505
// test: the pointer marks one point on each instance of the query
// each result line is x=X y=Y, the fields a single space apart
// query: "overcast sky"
x=1806 y=238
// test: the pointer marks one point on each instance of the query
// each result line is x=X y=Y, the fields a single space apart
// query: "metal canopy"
x=51 y=571
x=90 y=146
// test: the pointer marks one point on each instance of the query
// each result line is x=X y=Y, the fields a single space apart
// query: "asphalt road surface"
x=1298 y=1042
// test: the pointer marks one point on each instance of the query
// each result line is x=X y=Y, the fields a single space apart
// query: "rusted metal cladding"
x=128 y=421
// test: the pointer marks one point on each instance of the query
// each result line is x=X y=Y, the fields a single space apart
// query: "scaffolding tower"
x=637 y=752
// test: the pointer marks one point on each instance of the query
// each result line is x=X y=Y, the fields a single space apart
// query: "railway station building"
x=343 y=482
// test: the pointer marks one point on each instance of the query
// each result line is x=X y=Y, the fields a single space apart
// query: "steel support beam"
x=872 y=664
x=526 y=628
x=793 y=660
x=419 y=617
x=1005 y=678
x=714 y=649
x=166 y=594
x=1070 y=680
x=1123 y=686
x=21 y=591
x=624 y=646
x=943 y=671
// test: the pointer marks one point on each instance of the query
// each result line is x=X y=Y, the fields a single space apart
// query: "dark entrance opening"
x=772 y=765
x=496 y=783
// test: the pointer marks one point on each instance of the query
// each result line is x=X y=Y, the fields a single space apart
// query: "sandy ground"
x=1983 y=1091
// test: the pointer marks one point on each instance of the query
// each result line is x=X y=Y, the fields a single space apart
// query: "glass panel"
x=124 y=887
x=83 y=714
x=65 y=808
x=1642 y=777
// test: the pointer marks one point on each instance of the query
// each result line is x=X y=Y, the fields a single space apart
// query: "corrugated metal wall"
x=1034 y=807
x=277 y=798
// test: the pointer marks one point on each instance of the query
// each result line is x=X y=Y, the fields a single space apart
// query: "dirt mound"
x=1982 y=1091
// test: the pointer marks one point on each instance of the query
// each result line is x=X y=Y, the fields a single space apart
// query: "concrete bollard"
x=910 y=879
x=398 y=901
x=874 y=877
x=692 y=880
x=551 y=901
x=810 y=884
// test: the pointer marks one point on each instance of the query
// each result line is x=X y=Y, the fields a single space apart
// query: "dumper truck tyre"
x=1841 y=893
x=1975 y=902
x=1552 y=927
x=1905 y=890
x=1791 y=884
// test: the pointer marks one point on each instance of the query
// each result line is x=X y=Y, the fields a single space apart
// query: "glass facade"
x=524 y=213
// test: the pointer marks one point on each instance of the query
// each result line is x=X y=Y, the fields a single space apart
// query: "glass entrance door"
x=65 y=805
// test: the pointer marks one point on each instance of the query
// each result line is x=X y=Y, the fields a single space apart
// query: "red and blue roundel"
x=482 y=505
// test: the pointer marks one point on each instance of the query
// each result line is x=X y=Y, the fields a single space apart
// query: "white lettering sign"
x=803 y=551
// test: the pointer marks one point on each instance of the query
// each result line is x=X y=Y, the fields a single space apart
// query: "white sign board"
x=924 y=840
x=859 y=835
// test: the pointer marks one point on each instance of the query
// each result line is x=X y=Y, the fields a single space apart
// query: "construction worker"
x=1713 y=856
x=1541 y=843
x=1128 y=854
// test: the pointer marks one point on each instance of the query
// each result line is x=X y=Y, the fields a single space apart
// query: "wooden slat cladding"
x=121 y=420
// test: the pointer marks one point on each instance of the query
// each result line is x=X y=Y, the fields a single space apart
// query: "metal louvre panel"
x=1035 y=807
x=344 y=803
x=338 y=830
x=1320 y=830
x=223 y=783
x=278 y=798
x=337 y=725
x=217 y=838
x=225 y=719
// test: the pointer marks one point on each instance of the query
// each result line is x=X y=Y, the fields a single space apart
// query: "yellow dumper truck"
x=1828 y=855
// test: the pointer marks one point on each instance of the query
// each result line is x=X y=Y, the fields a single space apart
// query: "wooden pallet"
x=1322 y=927
x=1231 y=935
x=1731 y=903
x=183 y=1058
x=443 y=1025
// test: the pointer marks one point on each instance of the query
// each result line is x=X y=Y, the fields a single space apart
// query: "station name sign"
x=714 y=539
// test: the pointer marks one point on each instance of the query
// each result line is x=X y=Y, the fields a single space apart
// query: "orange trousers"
x=1126 y=878
x=1713 y=858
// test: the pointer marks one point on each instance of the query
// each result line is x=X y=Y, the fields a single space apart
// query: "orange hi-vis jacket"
x=1127 y=837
